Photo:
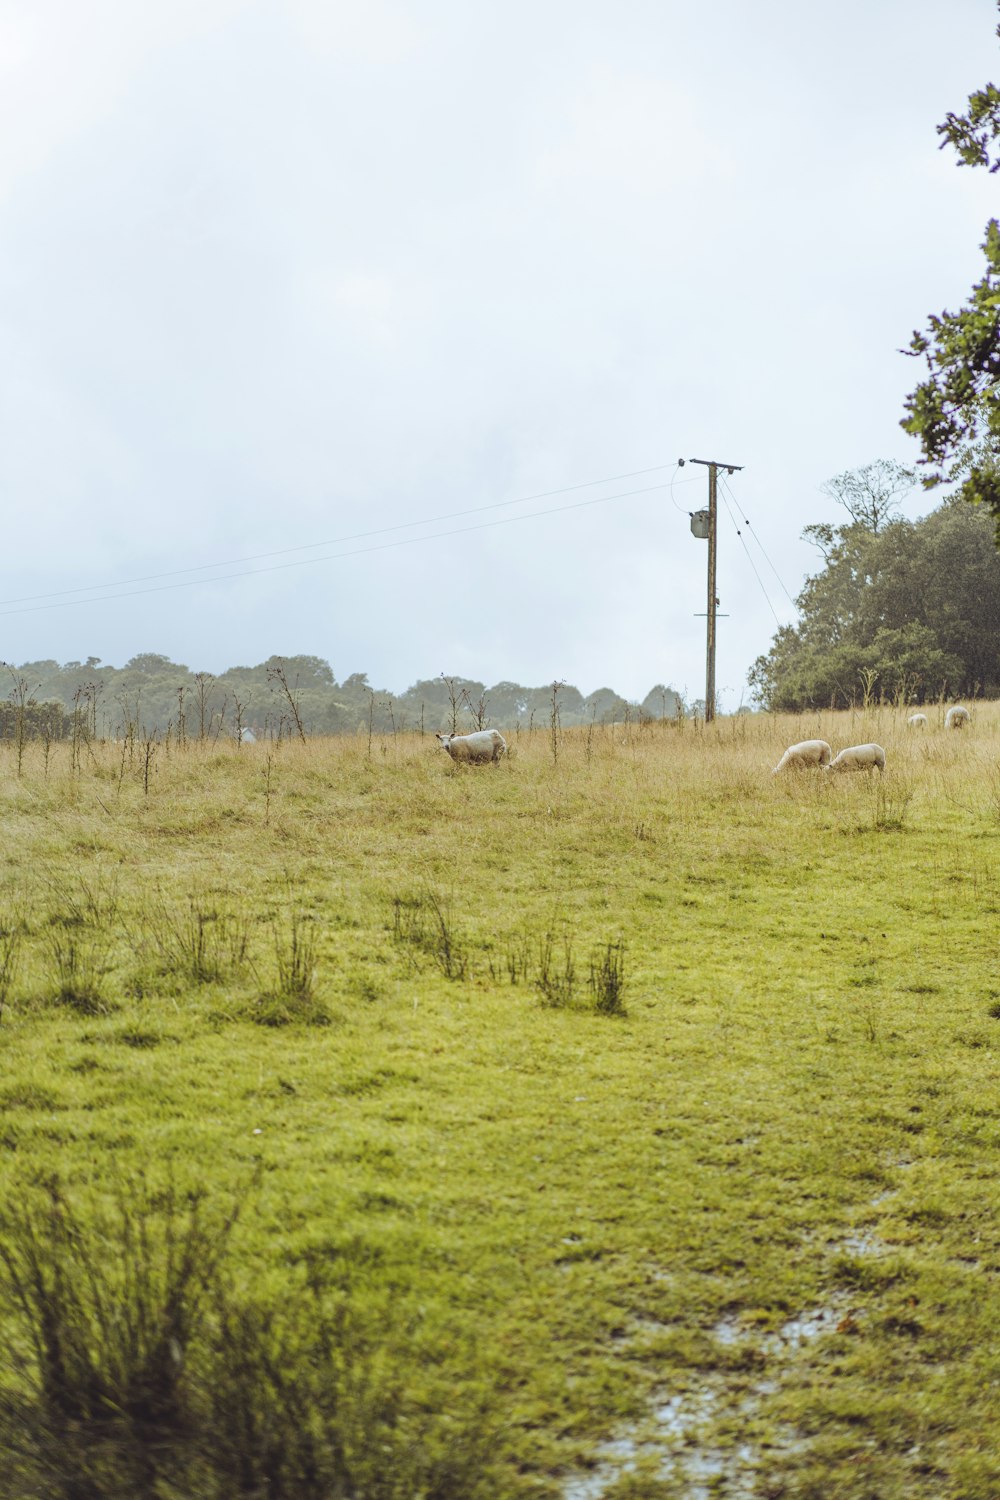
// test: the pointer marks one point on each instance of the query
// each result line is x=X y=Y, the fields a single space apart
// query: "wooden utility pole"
x=713 y=467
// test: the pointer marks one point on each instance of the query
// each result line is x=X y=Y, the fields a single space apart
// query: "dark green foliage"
x=555 y=977
x=607 y=979
x=38 y=721
x=102 y=1399
x=917 y=605
x=135 y=1368
x=955 y=411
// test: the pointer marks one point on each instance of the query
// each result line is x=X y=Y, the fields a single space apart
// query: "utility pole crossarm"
x=713 y=466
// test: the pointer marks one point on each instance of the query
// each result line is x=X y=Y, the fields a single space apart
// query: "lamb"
x=474 y=749
x=917 y=721
x=956 y=717
x=859 y=758
x=806 y=753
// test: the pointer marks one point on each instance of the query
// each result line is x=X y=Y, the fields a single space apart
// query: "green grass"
x=555 y=1096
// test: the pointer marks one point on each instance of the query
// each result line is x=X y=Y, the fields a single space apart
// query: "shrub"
x=555 y=979
x=198 y=943
x=135 y=1369
x=607 y=979
x=292 y=995
x=424 y=923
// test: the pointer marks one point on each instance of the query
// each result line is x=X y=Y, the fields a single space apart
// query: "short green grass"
x=638 y=1110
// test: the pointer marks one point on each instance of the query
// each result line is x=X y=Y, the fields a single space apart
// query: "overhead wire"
x=760 y=544
x=673 y=481
x=127 y=583
x=750 y=560
x=128 y=593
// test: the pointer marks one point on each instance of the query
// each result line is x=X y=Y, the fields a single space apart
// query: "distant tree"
x=607 y=706
x=661 y=703
x=570 y=699
x=310 y=670
x=871 y=494
x=151 y=664
x=916 y=603
x=955 y=412
x=508 y=701
x=38 y=721
x=156 y=693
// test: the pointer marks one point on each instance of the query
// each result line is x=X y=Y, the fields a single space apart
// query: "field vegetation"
x=619 y=1120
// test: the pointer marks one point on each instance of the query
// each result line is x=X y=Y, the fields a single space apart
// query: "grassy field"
x=617 y=1121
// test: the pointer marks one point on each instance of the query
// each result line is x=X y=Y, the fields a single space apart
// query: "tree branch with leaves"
x=955 y=412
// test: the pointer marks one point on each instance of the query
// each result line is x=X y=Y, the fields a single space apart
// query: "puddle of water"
x=865 y=1242
x=705 y=1470
x=672 y=1433
x=803 y=1328
x=647 y=1327
x=590 y=1487
x=728 y=1332
x=679 y=1415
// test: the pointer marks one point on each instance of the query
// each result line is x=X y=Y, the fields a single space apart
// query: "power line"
x=126 y=583
x=760 y=544
x=750 y=560
x=673 y=481
x=334 y=556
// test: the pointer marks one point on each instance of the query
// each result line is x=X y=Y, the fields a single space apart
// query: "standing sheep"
x=917 y=721
x=474 y=749
x=956 y=717
x=859 y=758
x=806 y=753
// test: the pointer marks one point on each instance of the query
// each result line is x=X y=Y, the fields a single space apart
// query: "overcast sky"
x=282 y=274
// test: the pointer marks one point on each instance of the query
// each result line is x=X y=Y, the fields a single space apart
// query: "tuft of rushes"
x=607 y=979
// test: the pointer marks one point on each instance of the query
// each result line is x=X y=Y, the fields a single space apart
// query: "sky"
x=375 y=331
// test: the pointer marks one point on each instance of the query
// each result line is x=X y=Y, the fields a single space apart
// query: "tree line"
x=287 y=697
x=904 y=611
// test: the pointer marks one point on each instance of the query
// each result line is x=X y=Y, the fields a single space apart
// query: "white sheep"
x=474 y=749
x=917 y=721
x=859 y=758
x=806 y=753
x=956 y=717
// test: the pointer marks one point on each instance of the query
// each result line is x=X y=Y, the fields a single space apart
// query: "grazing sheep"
x=956 y=717
x=859 y=758
x=806 y=753
x=917 y=721
x=474 y=749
